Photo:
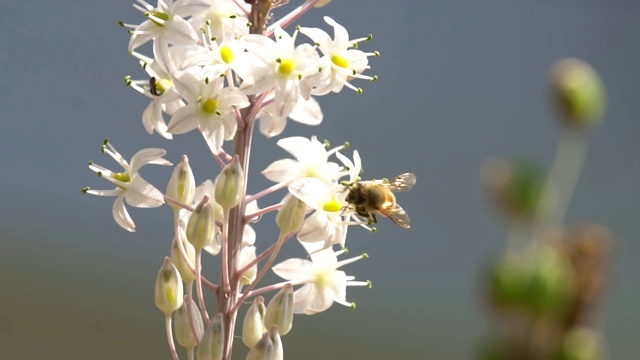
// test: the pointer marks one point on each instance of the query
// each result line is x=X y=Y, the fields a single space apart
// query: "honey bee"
x=369 y=198
x=153 y=86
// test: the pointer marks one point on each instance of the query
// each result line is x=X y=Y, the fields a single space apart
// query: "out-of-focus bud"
x=516 y=187
x=581 y=344
x=510 y=279
x=280 y=310
x=492 y=349
x=579 y=93
x=263 y=349
x=184 y=333
x=212 y=344
x=182 y=185
x=176 y=258
x=201 y=227
x=552 y=284
x=291 y=214
x=252 y=326
x=168 y=289
x=230 y=185
x=247 y=255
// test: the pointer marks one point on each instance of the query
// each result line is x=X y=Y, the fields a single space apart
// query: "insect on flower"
x=368 y=198
x=153 y=86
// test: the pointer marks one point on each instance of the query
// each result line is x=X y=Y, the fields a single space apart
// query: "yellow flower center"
x=124 y=177
x=159 y=15
x=286 y=67
x=332 y=205
x=340 y=61
x=226 y=53
x=210 y=105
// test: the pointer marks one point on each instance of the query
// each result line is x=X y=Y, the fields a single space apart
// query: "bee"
x=153 y=86
x=369 y=198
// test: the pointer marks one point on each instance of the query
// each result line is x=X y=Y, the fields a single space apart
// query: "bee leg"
x=372 y=219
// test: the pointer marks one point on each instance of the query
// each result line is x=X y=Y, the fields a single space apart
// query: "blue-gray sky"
x=460 y=81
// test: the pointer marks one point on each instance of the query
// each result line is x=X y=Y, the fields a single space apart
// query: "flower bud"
x=176 y=258
x=168 y=290
x=263 y=349
x=278 y=351
x=509 y=282
x=581 y=344
x=516 y=187
x=230 y=185
x=578 y=92
x=201 y=227
x=182 y=185
x=247 y=255
x=184 y=333
x=212 y=344
x=552 y=284
x=280 y=310
x=252 y=326
x=291 y=214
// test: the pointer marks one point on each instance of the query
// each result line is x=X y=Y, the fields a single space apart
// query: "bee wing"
x=402 y=182
x=398 y=216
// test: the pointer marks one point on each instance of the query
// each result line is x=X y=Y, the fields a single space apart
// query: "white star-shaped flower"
x=130 y=185
x=211 y=108
x=305 y=112
x=341 y=61
x=323 y=285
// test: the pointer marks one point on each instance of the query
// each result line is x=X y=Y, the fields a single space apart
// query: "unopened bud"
x=182 y=185
x=263 y=350
x=278 y=351
x=212 y=344
x=247 y=255
x=552 y=284
x=176 y=257
x=291 y=215
x=252 y=326
x=185 y=334
x=230 y=185
x=201 y=227
x=581 y=344
x=579 y=93
x=168 y=289
x=280 y=310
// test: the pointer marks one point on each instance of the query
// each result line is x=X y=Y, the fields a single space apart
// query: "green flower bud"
x=509 y=282
x=182 y=185
x=581 y=344
x=252 y=326
x=263 y=349
x=579 y=93
x=516 y=187
x=201 y=227
x=176 y=258
x=291 y=215
x=184 y=333
x=280 y=310
x=212 y=344
x=168 y=289
x=552 y=284
x=230 y=185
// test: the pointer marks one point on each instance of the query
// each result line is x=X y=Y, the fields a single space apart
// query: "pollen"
x=340 y=61
x=159 y=15
x=210 y=106
x=286 y=67
x=226 y=53
x=332 y=205
x=124 y=177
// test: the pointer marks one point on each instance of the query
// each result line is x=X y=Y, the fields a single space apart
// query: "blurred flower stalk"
x=222 y=68
x=544 y=289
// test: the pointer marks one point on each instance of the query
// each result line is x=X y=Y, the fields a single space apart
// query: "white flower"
x=282 y=65
x=310 y=173
x=305 y=112
x=326 y=223
x=341 y=61
x=324 y=283
x=211 y=108
x=130 y=185
x=227 y=20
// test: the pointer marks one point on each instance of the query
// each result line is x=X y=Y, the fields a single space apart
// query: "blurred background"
x=460 y=81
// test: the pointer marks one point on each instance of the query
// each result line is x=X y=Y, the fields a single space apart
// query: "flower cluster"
x=217 y=67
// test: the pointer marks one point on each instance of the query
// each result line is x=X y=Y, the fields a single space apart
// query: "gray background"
x=459 y=81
